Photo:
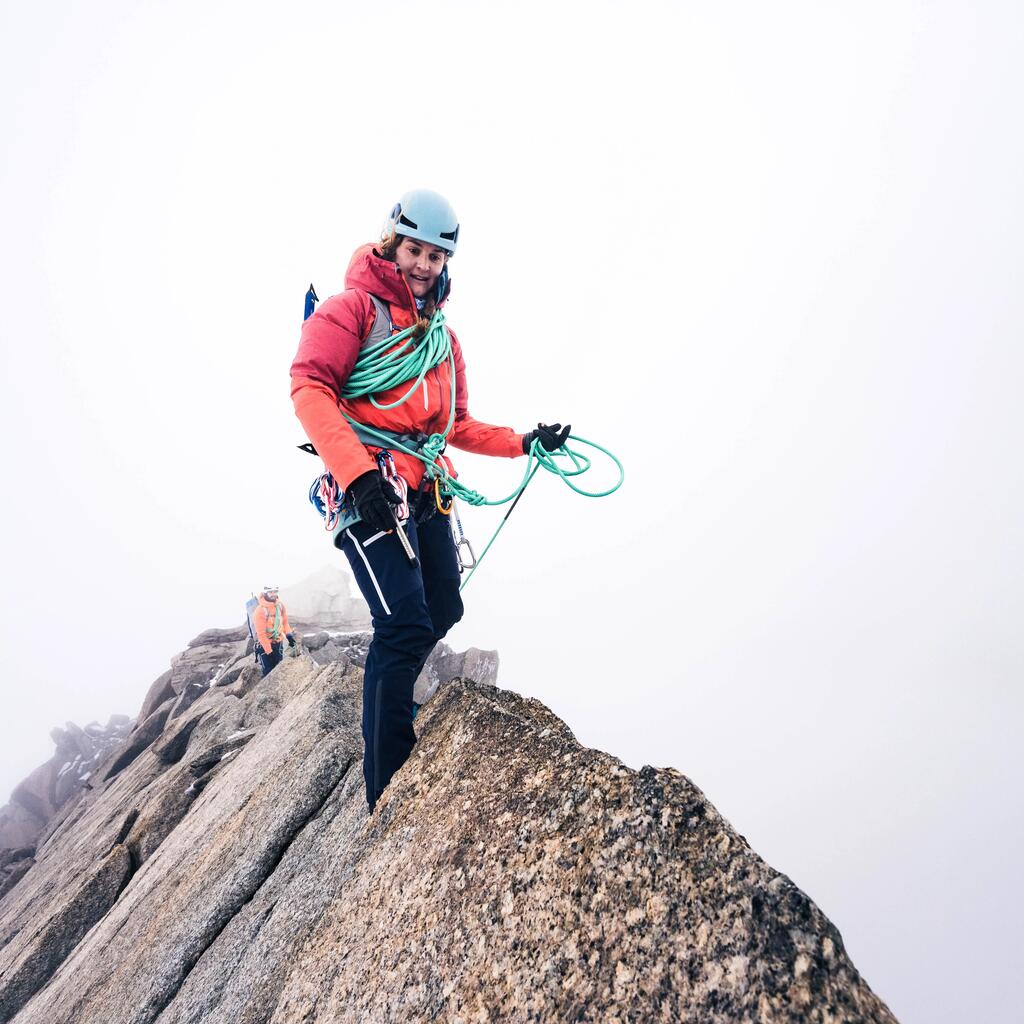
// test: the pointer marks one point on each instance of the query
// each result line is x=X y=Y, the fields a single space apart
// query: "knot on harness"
x=447 y=485
x=431 y=449
x=471 y=497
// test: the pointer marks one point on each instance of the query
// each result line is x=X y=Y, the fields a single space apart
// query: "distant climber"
x=413 y=594
x=268 y=622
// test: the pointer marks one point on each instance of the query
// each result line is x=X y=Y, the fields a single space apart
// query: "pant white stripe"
x=376 y=585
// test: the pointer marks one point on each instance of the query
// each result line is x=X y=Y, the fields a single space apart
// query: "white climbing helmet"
x=426 y=216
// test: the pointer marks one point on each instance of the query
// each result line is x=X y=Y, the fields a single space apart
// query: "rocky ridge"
x=223 y=869
x=35 y=800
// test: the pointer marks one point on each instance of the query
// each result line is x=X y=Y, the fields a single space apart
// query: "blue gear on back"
x=250 y=606
x=427 y=216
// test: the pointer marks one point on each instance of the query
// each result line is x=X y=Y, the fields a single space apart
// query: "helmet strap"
x=441 y=285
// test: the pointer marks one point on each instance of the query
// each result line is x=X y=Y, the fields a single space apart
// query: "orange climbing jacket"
x=331 y=340
x=270 y=620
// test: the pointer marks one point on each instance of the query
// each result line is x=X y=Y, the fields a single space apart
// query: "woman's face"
x=420 y=263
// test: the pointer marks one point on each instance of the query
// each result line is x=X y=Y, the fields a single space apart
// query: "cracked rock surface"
x=228 y=873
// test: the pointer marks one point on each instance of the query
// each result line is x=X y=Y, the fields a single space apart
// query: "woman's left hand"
x=551 y=436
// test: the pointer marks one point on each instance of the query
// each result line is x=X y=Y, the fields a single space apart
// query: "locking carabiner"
x=444 y=502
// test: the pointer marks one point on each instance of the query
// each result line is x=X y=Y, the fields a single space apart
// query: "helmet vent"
x=426 y=217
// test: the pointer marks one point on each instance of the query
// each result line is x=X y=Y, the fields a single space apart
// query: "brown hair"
x=387 y=249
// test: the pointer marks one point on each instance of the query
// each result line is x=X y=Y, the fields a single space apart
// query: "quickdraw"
x=327 y=498
x=386 y=466
x=462 y=541
x=445 y=502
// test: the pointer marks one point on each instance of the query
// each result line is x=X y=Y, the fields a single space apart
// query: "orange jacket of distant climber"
x=269 y=628
x=331 y=340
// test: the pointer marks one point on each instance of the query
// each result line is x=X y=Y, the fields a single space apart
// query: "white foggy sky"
x=770 y=257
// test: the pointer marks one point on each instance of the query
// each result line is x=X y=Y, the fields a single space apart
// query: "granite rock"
x=442 y=665
x=228 y=873
x=79 y=751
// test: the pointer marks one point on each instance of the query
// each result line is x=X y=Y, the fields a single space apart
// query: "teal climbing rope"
x=395 y=360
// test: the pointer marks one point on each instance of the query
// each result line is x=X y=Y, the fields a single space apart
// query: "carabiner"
x=443 y=502
x=463 y=564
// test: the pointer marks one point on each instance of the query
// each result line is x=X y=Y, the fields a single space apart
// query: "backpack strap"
x=383 y=326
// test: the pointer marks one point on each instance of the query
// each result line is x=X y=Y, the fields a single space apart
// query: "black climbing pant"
x=268 y=661
x=412 y=608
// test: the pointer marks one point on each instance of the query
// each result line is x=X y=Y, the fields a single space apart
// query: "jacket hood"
x=372 y=273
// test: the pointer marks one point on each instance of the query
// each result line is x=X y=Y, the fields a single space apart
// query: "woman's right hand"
x=374 y=499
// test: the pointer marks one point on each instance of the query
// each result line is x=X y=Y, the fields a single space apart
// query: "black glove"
x=373 y=498
x=552 y=436
x=291 y=639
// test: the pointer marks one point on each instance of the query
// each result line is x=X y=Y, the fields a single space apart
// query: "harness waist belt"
x=414 y=441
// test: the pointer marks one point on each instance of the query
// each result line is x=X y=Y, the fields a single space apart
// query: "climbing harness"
x=386 y=362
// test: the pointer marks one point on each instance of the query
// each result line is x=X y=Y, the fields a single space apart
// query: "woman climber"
x=365 y=437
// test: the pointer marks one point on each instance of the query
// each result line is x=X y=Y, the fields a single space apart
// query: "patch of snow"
x=82 y=778
x=67 y=765
x=230 y=754
x=235 y=735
